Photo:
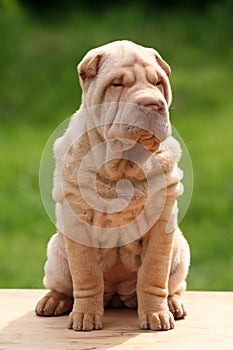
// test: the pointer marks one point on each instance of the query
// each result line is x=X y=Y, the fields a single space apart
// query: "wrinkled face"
x=132 y=81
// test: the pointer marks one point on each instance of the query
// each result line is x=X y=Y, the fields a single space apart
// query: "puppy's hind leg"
x=177 y=283
x=57 y=278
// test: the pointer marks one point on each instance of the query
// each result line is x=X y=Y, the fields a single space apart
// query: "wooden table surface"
x=209 y=325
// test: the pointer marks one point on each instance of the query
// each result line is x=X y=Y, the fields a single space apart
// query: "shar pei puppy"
x=116 y=184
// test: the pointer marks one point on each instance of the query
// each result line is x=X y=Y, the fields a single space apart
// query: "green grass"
x=39 y=89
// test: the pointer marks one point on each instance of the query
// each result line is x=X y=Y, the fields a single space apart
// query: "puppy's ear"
x=163 y=64
x=88 y=67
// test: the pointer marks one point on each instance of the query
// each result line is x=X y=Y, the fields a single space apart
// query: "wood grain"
x=209 y=325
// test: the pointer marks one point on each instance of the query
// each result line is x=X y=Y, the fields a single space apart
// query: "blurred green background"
x=41 y=44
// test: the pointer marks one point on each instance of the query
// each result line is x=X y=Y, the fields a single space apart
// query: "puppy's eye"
x=158 y=83
x=117 y=84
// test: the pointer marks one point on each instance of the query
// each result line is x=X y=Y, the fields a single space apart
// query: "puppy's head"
x=134 y=81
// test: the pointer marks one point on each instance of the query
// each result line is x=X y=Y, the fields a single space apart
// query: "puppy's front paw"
x=85 y=321
x=156 y=321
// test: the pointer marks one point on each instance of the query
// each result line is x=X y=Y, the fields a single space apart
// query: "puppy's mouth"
x=147 y=140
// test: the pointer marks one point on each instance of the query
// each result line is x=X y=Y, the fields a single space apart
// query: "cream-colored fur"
x=87 y=270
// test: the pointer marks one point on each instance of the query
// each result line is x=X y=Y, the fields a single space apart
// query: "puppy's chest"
x=123 y=200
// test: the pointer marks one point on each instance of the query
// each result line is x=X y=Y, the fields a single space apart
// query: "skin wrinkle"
x=151 y=75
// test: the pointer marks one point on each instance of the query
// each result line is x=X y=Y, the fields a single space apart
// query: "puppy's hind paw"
x=54 y=304
x=176 y=306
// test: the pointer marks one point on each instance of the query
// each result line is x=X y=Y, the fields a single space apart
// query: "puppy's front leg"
x=88 y=287
x=152 y=288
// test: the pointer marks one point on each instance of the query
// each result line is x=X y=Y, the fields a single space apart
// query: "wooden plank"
x=207 y=326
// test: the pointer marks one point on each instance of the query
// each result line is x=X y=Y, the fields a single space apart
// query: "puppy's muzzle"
x=138 y=123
